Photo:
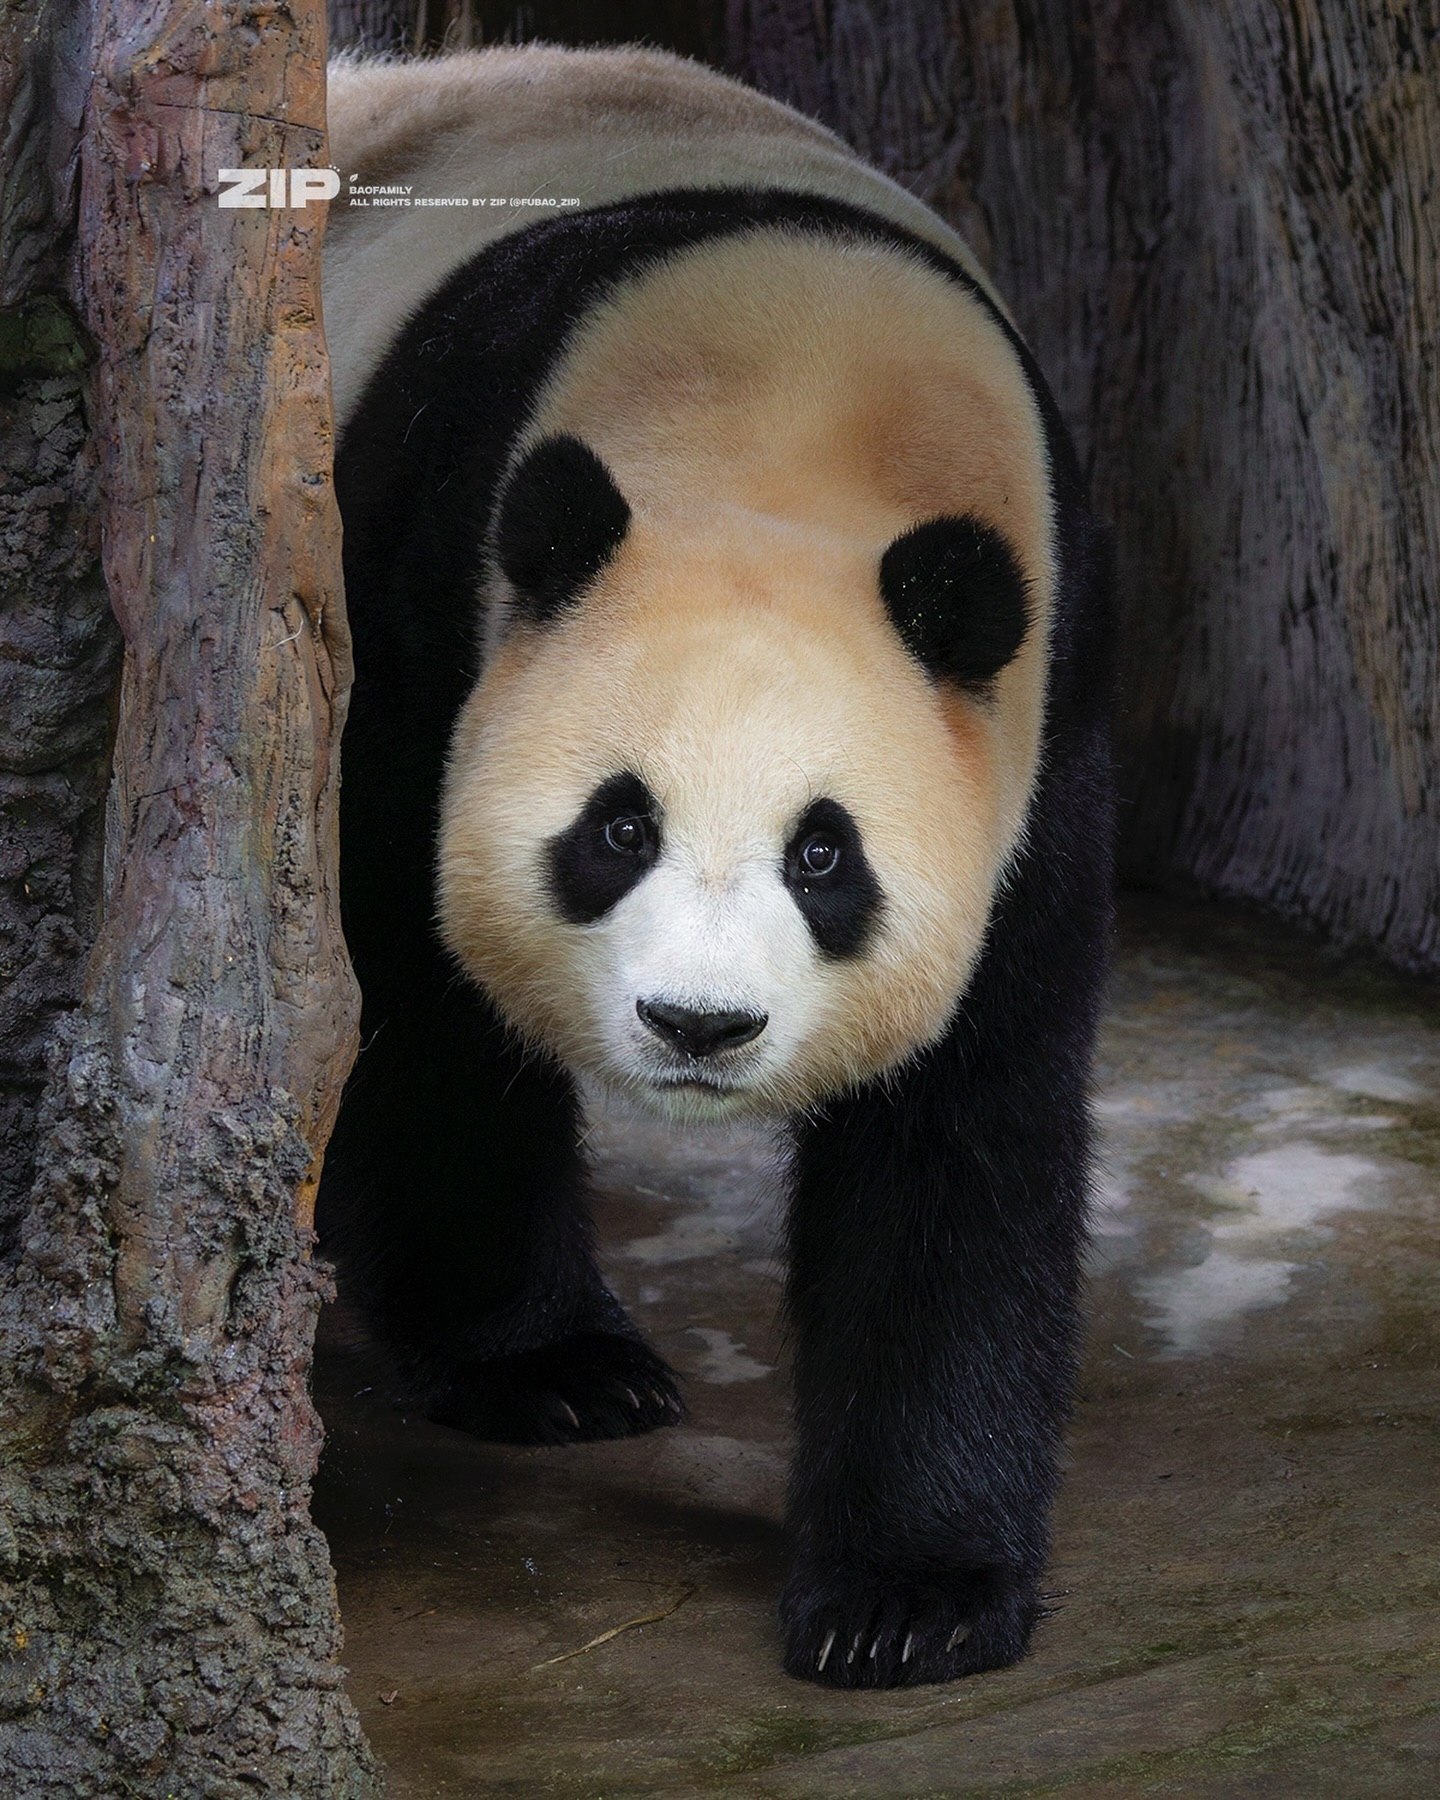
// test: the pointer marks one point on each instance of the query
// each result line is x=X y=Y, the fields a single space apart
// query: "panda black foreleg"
x=936 y=1231
x=935 y=1241
x=455 y=1203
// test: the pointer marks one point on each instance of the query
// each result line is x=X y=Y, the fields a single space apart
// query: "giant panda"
x=729 y=728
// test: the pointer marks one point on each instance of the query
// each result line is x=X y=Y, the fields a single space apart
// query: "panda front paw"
x=594 y=1384
x=856 y=1630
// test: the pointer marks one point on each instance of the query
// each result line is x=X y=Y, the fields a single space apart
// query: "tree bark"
x=372 y=24
x=167 y=1608
x=689 y=26
x=1216 y=225
x=59 y=645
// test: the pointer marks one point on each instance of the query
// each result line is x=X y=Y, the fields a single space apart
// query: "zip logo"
x=277 y=187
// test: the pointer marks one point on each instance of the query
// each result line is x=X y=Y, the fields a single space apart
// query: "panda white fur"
x=732 y=655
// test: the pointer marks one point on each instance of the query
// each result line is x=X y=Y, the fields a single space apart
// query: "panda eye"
x=628 y=835
x=819 y=855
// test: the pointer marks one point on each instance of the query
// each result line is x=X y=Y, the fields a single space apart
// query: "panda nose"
x=700 y=1033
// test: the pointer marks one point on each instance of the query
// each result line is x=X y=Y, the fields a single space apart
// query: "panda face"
x=711 y=834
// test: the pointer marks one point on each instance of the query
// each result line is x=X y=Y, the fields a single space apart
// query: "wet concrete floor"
x=1247 y=1559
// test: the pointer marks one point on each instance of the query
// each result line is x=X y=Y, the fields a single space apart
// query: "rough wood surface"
x=372 y=24
x=168 y=1610
x=1217 y=225
x=59 y=646
x=689 y=26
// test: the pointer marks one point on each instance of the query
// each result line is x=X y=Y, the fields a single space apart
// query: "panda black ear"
x=955 y=594
x=560 y=520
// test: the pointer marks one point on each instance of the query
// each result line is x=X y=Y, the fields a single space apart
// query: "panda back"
x=541 y=123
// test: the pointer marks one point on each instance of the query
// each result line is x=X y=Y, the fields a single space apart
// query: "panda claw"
x=631 y=1396
x=901 y=1634
x=570 y=1413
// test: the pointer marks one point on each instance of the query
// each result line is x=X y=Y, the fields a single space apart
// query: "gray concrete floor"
x=1247 y=1557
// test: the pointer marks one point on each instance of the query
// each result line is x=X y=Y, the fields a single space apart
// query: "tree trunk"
x=167 y=1607
x=59 y=646
x=1216 y=225
x=372 y=24
x=689 y=26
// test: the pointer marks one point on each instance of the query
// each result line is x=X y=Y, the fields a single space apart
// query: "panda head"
x=723 y=819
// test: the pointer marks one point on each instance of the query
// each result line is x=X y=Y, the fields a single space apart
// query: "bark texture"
x=689 y=26
x=1217 y=225
x=59 y=646
x=372 y=24
x=167 y=1610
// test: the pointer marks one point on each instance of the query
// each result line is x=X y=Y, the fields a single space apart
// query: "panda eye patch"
x=612 y=843
x=831 y=881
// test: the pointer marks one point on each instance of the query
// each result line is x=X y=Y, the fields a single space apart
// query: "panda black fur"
x=604 y=589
